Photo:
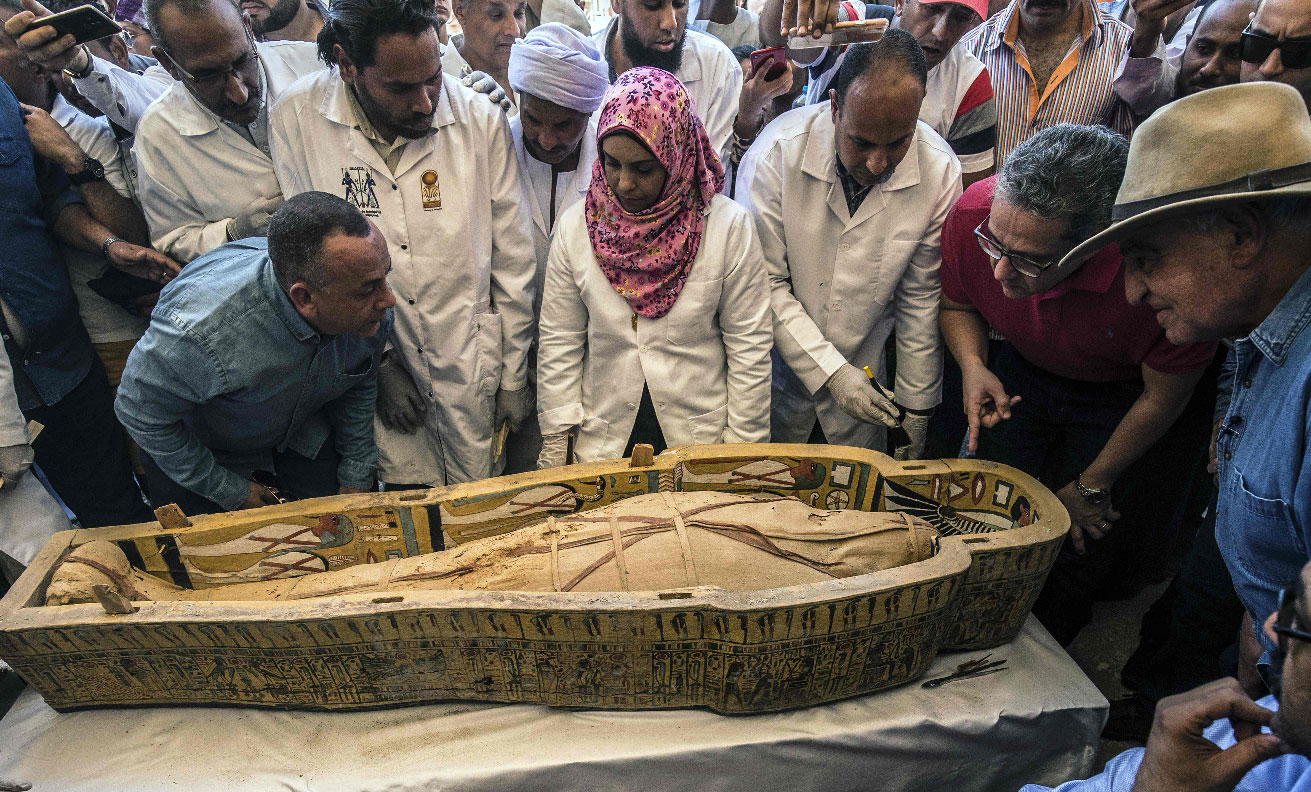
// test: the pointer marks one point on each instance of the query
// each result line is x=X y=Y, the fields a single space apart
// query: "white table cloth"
x=1037 y=722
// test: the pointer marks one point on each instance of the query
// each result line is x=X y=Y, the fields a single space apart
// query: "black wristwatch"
x=91 y=171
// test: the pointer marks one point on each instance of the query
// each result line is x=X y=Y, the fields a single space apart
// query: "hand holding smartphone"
x=85 y=23
x=772 y=58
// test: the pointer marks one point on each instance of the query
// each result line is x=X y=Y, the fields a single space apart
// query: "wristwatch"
x=1089 y=494
x=91 y=171
x=104 y=246
x=86 y=70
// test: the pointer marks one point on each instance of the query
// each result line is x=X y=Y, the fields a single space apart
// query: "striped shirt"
x=1079 y=91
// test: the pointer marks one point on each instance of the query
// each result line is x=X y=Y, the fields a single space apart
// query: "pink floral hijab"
x=646 y=257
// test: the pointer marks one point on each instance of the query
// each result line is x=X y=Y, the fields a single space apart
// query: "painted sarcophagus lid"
x=598 y=585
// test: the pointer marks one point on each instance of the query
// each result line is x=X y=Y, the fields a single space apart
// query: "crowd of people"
x=262 y=251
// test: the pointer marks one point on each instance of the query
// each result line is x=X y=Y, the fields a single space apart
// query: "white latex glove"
x=484 y=83
x=555 y=451
x=857 y=397
x=400 y=406
x=253 y=221
x=513 y=407
x=15 y=460
x=917 y=427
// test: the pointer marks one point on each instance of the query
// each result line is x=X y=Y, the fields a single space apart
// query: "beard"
x=280 y=15
x=641 y=55
x=411 y=127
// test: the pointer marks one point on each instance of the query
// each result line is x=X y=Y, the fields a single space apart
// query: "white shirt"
x=105 y=322
x=28 y=515
x=120 y=94
x=197 y=173
x=840 y=284
x=706 y=362
x=462 y=259
x=710 y=74
x=744 y=29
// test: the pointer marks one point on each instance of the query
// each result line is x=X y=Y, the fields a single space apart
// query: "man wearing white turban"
x=560 y=79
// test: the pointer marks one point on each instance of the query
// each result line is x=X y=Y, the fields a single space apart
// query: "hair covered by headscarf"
x=647 y=256
x=556 y=63
x=131 y=11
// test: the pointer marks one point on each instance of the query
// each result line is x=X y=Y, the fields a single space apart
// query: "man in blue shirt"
x=59 y=380
x=1214 y=222
x=1216 y=739
x=263 y=356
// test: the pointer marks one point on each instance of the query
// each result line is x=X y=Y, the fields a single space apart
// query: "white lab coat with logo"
x=462 y=259
x=196 y=172
x=706 y=362
x=841 y=284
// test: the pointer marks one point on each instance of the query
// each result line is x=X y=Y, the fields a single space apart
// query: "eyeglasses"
x=217 y=77
x=1253 y=47
x=1284 y=618
x=1022 y=264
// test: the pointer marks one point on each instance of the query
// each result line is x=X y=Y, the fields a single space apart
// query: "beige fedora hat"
x=1226 y=145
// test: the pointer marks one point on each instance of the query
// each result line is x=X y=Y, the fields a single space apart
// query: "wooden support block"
x=114 y=603
x=643 y=456
x=171 y=518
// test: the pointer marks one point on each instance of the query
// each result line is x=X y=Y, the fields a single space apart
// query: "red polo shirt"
x=1083 y=328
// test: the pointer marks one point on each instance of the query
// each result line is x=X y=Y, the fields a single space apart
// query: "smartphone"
x=773 y=58
x=86 y=23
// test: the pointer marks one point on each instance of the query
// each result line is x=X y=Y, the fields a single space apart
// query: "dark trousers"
x=297 y=477
x=83 y=453
x=1053 y=435
x=1187 y=635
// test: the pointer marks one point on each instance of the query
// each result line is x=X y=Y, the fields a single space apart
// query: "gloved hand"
x=857 y=397
x=555 y=451
x=15 y=460
x=513 y=407
x=484 y=83
x=917 y=430
x=253 y=220
x=400 y=406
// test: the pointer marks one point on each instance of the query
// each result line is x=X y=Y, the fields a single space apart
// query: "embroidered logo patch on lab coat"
x=358 y=183
x=431 y=191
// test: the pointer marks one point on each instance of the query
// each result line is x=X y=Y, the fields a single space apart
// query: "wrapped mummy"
x=646 y=543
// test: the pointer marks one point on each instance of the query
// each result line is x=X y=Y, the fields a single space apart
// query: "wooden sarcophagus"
x=601 y=585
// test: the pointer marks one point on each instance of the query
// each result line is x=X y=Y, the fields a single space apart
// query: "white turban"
x=557 y=63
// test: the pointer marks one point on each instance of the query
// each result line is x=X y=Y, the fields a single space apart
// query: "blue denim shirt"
x=1288 y=773
x=55 y=353
x=228 y=372
x=1263 y=521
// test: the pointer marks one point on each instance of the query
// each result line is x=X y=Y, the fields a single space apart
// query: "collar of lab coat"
x=336 y=105
x=582 y=178
x=821 y=158
x=689 y=71
x=192 y=118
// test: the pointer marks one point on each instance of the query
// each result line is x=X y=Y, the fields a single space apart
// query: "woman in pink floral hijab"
x=656 y=325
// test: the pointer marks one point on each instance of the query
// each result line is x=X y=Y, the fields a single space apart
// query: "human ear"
x=1245 y=231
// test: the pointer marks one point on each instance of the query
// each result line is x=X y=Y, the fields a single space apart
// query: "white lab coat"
x=706 y=362
x=196 y=172
x=28 y=514
x=462 y=265
x=569 y=191
x=711 y=76
x=840 y=284
x=121 y=95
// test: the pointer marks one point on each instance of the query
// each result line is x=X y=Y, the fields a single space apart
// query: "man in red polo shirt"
x=1084 y=383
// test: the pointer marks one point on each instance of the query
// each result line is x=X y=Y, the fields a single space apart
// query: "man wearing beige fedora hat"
x=1214 y=219
x=1085 y=384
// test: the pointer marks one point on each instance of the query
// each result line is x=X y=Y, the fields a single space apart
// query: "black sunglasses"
x=1284 y=618
x=1255 y=47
